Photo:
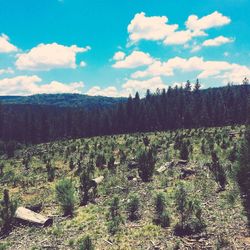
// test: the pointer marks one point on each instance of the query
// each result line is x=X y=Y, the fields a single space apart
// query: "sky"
x=115 y=48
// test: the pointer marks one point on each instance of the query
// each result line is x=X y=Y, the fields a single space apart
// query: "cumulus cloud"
x=29 y=85
x=182 y=37
x=6 y=71
x=110 y=91
x=132 y=85
x=49 y=56
x=134 y=60
x=119 y=56
x=156 y=28
x=218 y=69
x=217 y=41
x=5 y=45
x=149 y=28
x=215 y=19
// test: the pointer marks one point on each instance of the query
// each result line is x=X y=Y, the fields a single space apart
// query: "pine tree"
x=114 y=216
x=85 y=185
x=65 y=195
x=7 y=212
x=243 y=171
x=133 y=207
x=146 y=162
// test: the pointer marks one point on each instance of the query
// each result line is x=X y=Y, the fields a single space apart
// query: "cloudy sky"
x=116 y=47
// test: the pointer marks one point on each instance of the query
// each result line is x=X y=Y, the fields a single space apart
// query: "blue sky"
x=115 y=48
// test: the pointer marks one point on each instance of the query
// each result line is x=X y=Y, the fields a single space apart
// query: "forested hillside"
x=163 y=110
x=63 y=100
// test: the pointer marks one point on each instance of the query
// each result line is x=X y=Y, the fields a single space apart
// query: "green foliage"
x=184 y=153
x=100 y=160
x=114 y=216
x=133 y=207
x=218 y=171
x=161 y=216
x=111 y=163
x=243 y=170
x=7 y=212
x=1 y=168
x=86 y=243
x=146 y=160
x=190 y=214
x=85 y=185
x=65 y=195
x=51 y=171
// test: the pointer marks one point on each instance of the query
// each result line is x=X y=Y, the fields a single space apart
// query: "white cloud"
x=217 y=41
x=83 y=64
x=28 y=85
x=110 y=91
x=134 y=60
x=5 y=45
x=182 y=37
x=6 y=71
x=229 y=72
x=149 y=28
x=132 y=85
x=155 y=28
x=119 y=56
x=215 y=19
x=49 y=56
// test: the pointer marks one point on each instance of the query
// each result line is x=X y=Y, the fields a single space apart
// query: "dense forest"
x=63 y=100
x=164 y=110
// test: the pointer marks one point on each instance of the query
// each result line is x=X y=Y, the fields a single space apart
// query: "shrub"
x=218 y=171
x=7 y=212
x=184 y=153
x=100 y=160
x=161 y=215
x=86 y=243
x=51 y=171
x=146 y=160
x=71 y=164
x=243 y=169
x=1 y=169
x=190 y=214
x=65 y=195
x=111 y=163
x=133 y=207
x=85 y=185
x=114 y=216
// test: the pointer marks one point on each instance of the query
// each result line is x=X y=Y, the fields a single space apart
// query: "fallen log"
x=97 y=181
x=161 y=169
x=186 y=172
x=29 y=216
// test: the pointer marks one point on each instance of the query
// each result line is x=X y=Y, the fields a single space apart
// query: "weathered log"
x=97 y=180
x=161 y=169
x=186 y=172
x=29 y=216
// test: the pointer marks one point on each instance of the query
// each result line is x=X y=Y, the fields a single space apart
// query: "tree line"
x=174 y=108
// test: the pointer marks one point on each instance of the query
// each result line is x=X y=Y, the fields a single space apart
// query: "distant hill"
x=63 y=100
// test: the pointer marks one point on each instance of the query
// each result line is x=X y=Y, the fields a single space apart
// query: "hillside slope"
x=221 y=209
x=63 y=100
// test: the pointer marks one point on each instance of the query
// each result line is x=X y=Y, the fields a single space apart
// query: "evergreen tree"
x=65 y=195
x=7 y=212
x=243 y=171
x=146 y=162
